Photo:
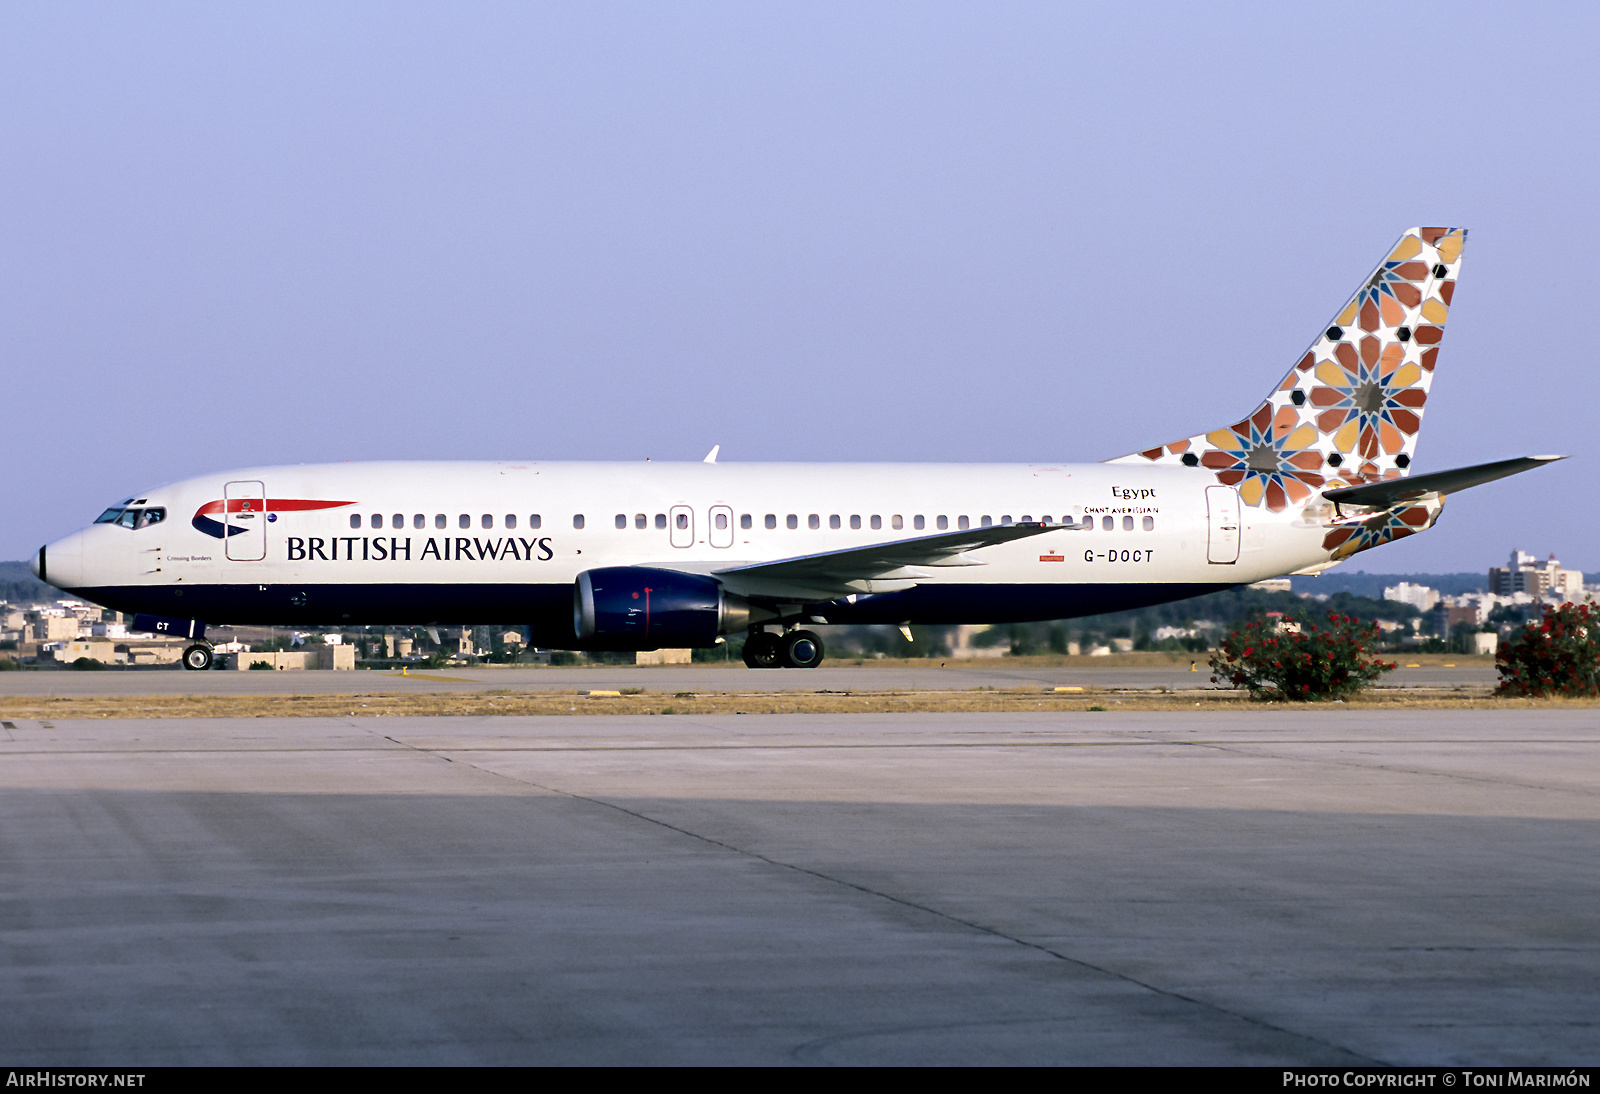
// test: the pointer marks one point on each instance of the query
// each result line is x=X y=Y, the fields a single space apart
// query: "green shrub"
x=87 y=663
x=261 y=665
x=1556 y=655
x=1312 y=664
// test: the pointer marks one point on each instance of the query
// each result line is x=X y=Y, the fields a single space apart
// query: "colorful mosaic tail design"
x=1350 y=408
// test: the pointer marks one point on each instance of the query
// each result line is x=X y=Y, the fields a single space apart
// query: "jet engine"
x=643 y=608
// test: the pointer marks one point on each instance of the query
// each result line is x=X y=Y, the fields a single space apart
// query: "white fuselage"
x=450 y=542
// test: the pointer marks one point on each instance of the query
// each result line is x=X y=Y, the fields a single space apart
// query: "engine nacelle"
x=642 y=608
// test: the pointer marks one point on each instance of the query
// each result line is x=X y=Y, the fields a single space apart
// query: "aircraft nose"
x=60 y=563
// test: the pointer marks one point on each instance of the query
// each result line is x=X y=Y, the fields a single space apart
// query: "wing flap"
x=858 y=569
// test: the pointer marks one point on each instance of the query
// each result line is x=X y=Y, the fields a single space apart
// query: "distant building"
x=663 y=657
x=963 y=644
x=1273 y=585
x=1539 y=580
x=1419 y=597
x=54 y=628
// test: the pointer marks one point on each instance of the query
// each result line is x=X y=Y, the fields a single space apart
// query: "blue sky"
x=244 y=234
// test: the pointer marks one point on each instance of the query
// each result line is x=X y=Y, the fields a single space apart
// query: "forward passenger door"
x=244 y=521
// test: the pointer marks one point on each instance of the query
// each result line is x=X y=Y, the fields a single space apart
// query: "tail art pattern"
x=1350 y=409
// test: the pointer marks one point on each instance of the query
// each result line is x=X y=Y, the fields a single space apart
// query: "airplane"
x=640 y=556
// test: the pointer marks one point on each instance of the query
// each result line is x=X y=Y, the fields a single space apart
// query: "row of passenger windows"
x=746 y=521
x=420 y=520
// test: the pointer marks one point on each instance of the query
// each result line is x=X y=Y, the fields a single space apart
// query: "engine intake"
x=643 y=608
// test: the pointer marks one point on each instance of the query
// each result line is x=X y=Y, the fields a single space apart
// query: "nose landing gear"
x=198 y=657
x=790 y=650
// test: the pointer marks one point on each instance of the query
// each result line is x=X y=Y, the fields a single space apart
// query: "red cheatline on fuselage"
x=203 y=523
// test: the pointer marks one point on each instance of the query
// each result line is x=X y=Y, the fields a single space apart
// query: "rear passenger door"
x=1222 y=520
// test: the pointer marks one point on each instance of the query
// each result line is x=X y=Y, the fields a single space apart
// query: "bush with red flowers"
x=1556 y=655
x=1303 y=662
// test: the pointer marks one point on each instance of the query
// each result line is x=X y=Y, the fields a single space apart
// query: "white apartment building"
x=1419 y=597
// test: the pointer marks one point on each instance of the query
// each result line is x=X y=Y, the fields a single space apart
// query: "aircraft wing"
x=879 y=568
x=1382 y=495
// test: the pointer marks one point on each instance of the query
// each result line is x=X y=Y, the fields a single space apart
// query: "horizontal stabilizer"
x=838 y=573
x=1384 y=495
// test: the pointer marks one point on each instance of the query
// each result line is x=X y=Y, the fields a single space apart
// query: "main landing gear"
x=198 y=657
x=790 y=650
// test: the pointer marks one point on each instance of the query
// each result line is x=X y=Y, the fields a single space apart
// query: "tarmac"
x=1317 y=886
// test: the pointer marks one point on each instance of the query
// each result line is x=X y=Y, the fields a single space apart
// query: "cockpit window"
x=133 y=518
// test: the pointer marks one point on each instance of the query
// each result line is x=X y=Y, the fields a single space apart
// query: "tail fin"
x=1350 y=409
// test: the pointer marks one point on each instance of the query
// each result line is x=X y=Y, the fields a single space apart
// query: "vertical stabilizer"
x=1350 y=409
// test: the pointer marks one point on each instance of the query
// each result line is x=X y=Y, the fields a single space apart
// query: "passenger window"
x=534 y=520
x=918 y=523
x=486 y=521
x=577 y=520
x=641 y=521
x=941 y=522
x=463 y=521
x=855 y=520
x=1149 y=524
x=877 y=522
x=1127 y=524
x=622 y=520
x=661 y=522
x=397 y=521
x=897 y=522
x=721 y=521
x=439 y=521
x=511 y=521
x=1024 y=519
x=985 y=521
x=682 y=520
x=792 y=521
x=419 y=521
x=771 y=521
x=377 y=520
x=814 y=522
x=962 y=523
x=355 y=520
x=745 y=521
x=1107 y=523
x=833 y=521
